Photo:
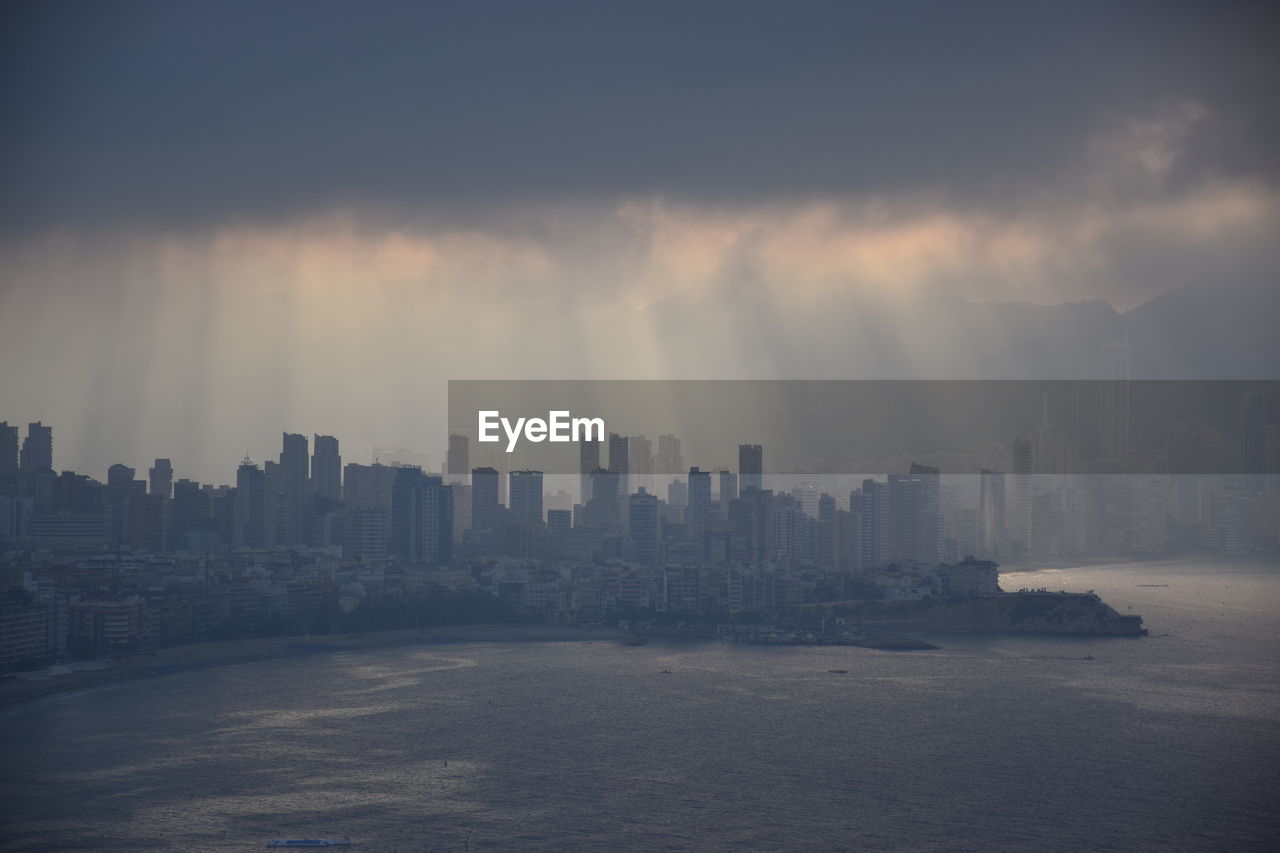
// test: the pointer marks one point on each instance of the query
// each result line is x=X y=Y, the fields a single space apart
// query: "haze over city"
x=225 y=220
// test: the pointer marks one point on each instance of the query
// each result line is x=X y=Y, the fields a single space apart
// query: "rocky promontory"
x=1027 y=612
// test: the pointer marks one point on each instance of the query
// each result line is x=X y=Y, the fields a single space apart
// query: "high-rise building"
x=252 y=526
x=728 y=491
x=1115 y=406
x=136 y=516
x=37 y=448
x=991 y=513
x=486 y=510
x=119 y=483
x=825 y=556
x=749 y=520
x=161 y=477
x=700 y=509
x=788 y=529
x=326 y=468
x=640 y=463
x=526 y=497
x=368 y=485
x=669 y=460
x=643 y=526
x=458 y=459
x=421 y=526
x=294 y=481
x=870 y=507
x=915 y=516
x=750 y=466
x=294 y=456
x=8 y=448
x=367 y=533
x=588 y=461
x=807 y=496
x=844 y=541
x=601 y=508
x=192 y=516
x=159 y=511
x=620 y=462
x=1019 y=495
x=1023 y=456
x=460 y=494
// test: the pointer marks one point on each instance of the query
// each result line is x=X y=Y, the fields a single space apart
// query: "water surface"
x=990 y=743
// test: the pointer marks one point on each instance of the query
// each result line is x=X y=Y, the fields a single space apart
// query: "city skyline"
x=1042 y=498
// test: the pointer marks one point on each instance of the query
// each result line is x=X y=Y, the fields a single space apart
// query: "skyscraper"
x=251 y=525
x=161 y=476
x=620 y=462
x=728 y=491
x=192 y=516
x=750 y=466
x=457 y=459
x=119 y=483
x=991 y=513
x=367 y=485
x=670 y=460
x=870 y=507
x=601 y=509
x=825 y=545
x=367 y=533
x=588 y=461
x=486 y=511
x=915 y=515
x=294 y=474
x=37 y=448
x=526 y=497
x=1115 y=406
x=326 y=468
x=699 y=509
x=421 y=527
x=640 y=462
x=8 y=448
x=1018 y=495
x=643 y=526
x=407 y=519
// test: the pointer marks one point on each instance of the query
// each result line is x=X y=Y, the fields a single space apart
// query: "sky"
x=225 y=220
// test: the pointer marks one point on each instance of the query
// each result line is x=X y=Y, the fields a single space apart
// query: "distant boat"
x=311 y=842
x=839 y=671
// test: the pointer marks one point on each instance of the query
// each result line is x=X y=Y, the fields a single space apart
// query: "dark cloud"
x=168 y=112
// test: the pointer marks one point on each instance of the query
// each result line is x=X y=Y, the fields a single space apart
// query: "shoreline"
x=218 y=653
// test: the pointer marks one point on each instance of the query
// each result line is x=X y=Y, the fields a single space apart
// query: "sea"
x=990 y=743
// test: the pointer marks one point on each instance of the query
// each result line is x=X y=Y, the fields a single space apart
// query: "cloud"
x=192 y=115
x=1150 y=146
x=1074 y=248
x=218 y=223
